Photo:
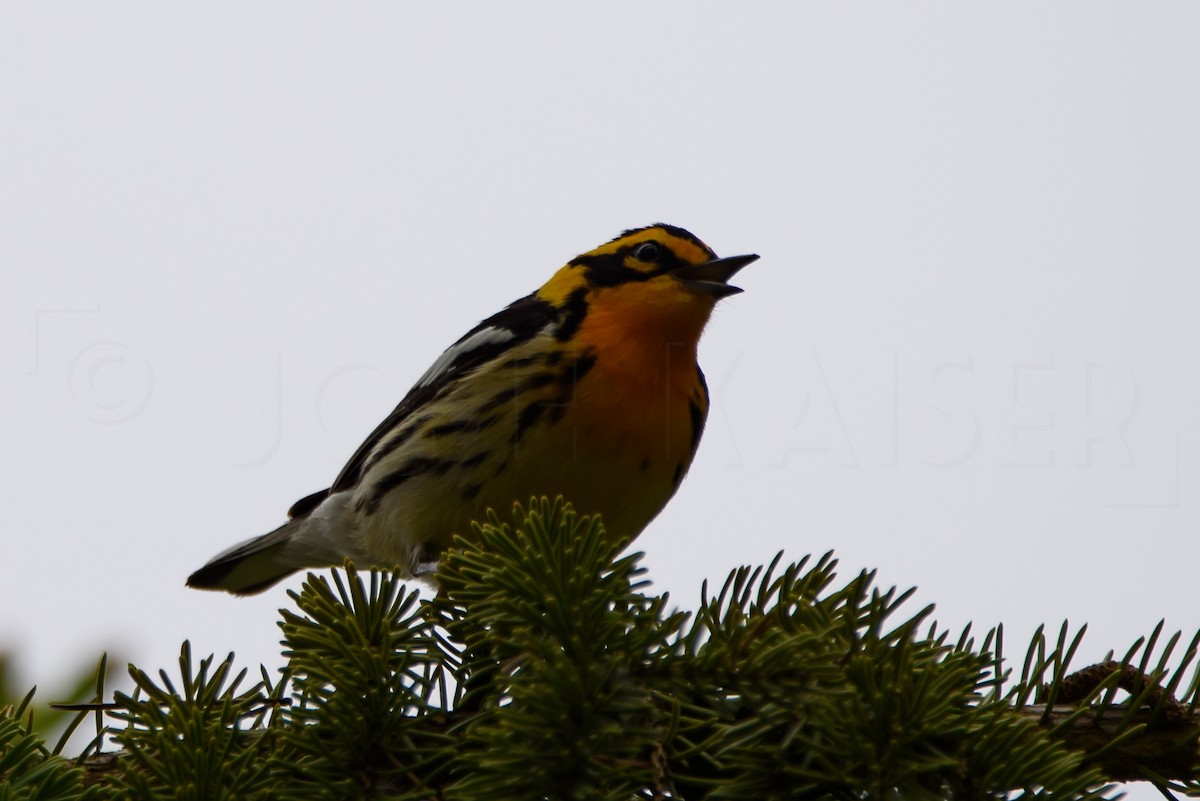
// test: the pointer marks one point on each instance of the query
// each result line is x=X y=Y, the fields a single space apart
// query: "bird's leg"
x=424 y=560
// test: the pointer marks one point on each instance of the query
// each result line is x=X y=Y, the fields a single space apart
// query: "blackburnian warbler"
x=588 y=388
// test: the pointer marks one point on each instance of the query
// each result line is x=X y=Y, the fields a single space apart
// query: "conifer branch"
x=1157 y=750
x=542 y=669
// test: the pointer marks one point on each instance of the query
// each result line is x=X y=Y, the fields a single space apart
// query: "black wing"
x=516 y=323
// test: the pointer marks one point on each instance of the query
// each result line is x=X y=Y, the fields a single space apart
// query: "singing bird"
x=587 y=388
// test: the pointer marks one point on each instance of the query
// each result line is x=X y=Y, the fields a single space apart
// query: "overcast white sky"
x=233 y=234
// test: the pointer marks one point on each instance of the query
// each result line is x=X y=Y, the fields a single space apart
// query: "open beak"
x=711 y=277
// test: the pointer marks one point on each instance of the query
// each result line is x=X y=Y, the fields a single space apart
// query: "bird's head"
x=659 y=281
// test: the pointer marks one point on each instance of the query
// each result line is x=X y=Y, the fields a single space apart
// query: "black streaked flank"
x=522 y=361
x=697 y=409
x=538 y=380
x=476 y=460
x=555 y=407
x=697 y=415
x=529 y=415
x=394 y=443
x=577 y=369
x=499 y=399
x=575 y=309
x=456 y=426
x=453 y=427
x=568 y=380
x=411 y=469
x=511 y=393
x=470 y=492
x=558 y=409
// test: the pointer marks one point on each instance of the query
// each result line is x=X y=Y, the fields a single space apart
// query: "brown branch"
x=1166 y=746
x=1082 y=683
x=1167 y=749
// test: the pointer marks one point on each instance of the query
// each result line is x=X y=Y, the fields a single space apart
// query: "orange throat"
x=649 y=342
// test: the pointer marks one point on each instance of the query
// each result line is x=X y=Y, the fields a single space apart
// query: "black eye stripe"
x=611 y=269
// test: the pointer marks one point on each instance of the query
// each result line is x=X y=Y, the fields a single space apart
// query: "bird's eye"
x=648 y=252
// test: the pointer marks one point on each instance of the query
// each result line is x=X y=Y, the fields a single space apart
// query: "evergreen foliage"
x=542 y=670
x=28 y=770
x=52 y=721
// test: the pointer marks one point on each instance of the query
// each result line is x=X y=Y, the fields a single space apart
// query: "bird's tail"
x=252 y=566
